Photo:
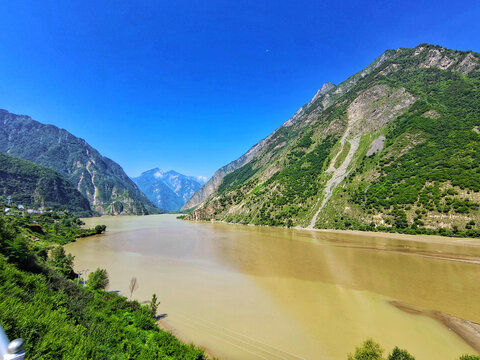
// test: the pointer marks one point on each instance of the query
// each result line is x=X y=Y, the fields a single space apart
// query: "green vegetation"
x=341 y=157
x=237 y=178
x=98 y=280
x=300 y=177
x=76 y=161
x=41 y=302
x=370 y=350
x=424 y=180
x=52 y=227
x=445 y=151
x=295 y=185
x=36 y=186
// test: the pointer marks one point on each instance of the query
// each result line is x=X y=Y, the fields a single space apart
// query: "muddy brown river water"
x=246 y=292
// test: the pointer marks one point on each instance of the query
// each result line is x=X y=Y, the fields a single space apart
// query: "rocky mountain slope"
x=214 y=182
x=168 y=190
x=37 y=186
x=102 y=181
x=393 y=148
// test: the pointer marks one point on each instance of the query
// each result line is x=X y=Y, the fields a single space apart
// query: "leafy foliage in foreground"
x=370 y=350
x=53 y=227
x=59 y=319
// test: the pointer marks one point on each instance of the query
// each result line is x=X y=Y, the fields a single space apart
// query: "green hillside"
x=42 y=302
x=395 y=147
x=36 y=186
x=102 y=181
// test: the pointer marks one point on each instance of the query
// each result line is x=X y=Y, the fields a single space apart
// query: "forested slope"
x=37 y=186
x=393 y=148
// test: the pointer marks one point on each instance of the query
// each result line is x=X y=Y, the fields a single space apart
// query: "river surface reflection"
x=263 y=293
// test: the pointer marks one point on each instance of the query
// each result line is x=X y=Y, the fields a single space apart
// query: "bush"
x=100 y=229
x=398 y=354
x=98 y=280
x=369 y=350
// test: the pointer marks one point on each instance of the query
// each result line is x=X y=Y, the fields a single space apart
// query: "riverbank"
x=469 y=331
x=431 y=239
x=241 y=291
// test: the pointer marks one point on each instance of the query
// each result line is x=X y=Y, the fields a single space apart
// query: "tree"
x=153 y=305
x=399 y=354
x=133 y=286
x=98 y=279
x=7 y=232
x=17 y=251
x=369 y=350
x=62 y=262
x=100 y=229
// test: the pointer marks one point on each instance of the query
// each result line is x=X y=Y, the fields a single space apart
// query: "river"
x=245 y=292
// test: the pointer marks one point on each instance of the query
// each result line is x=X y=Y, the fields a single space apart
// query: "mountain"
x=214 y=182
x=168 y=190
x=37 y=186
x=102 y=181
x=396 y=147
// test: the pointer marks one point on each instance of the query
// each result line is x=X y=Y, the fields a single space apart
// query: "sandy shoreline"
x=468 y=330
x=431 y=239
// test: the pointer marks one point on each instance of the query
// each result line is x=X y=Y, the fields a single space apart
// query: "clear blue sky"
x=192 y=85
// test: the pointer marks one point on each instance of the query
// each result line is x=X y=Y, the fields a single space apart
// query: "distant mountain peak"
x=202 y=179
x=158 y=173
x=168 y=190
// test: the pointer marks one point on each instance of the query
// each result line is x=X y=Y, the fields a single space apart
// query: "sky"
x=192 y=85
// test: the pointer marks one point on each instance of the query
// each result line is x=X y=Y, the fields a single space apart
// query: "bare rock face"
x=376 y=107
x=99 y=179
x=432 y=114
x=468 y=64
x=376 y=146
x=212 y=185
x=323 y=90
x=435 y=58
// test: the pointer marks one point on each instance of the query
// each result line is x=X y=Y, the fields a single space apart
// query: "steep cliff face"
x=212 y=184
x=324 y=97
x=37 y=186
x=102 y=181
x=168 y=190
x=390 y=148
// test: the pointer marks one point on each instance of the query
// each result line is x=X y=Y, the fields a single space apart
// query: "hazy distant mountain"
x=37 y=186
x=102 y=181
x=168 y=190
x=394 y=147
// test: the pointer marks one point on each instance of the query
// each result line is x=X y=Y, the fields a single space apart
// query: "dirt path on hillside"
x=338 y=174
